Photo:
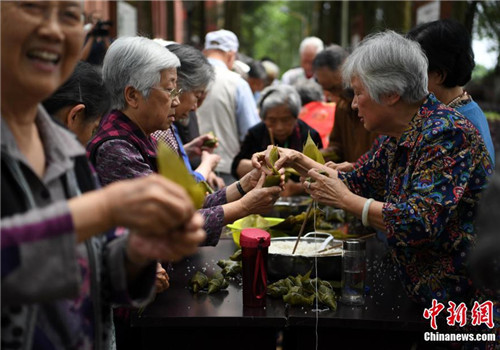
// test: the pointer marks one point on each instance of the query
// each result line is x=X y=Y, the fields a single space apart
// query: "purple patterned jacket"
x=120 y=150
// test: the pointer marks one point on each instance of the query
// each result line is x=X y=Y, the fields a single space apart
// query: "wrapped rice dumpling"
x=217 y=283
x=326 y=296
x=301 y=290
x=210 y=143
x=198 y=282
x=236 y=256
x=275 y=178
x=277 y=289
x=230 y=268
x=296 y=296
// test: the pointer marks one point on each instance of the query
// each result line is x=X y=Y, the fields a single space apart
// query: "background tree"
x=488 y=25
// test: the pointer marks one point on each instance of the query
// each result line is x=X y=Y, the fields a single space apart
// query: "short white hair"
x=313 y=41
x=388 y=63
x=135 y=61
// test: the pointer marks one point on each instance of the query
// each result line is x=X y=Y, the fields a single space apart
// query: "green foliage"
x=488 y=17
x=479 y=72
x=492 y=115
x=273 y=32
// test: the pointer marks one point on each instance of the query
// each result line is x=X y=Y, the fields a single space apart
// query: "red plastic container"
x=254 y=244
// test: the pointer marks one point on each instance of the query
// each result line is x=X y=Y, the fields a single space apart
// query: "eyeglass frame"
x=172 y=93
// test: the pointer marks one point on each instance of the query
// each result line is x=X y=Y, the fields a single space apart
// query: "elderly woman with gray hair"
x=142 y=78
x=193 y=78
x=279 y=108
x=423 y=184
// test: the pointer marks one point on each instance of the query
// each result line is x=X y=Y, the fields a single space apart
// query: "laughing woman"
x=60 y=275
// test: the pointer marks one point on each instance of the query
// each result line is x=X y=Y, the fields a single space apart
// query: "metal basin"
x=286 y=206
x=285 y=264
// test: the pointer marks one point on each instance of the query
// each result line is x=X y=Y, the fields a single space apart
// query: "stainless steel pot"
x=329 y=264
x=286 y=206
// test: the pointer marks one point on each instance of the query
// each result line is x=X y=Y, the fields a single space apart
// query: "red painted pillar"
x=159 y=19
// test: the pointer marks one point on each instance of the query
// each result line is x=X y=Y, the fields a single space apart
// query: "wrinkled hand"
x=329 y=190
x=162 y=281
x=260 y=160
x=344 y=166
x=251 y=179
x=292 y=188
x=172 y=246
x=211 y=159
x=152 y=205
x=195 y=147
x=260 y=200
x=287 y=158
x=215 y=182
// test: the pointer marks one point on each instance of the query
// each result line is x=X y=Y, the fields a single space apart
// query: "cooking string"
x=315 y=205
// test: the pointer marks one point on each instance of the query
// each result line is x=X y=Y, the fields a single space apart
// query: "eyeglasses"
x=173 y=93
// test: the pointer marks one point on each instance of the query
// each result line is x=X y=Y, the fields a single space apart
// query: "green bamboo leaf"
x=173 y=168
x=274 y=155
x=275 y=178
x=311 y=150
x=207 y=188
x=272 y=180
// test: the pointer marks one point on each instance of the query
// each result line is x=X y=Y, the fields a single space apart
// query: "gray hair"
x=195 y=71
x=136 y=62
x=279 y=95
x=316 y=42
x=309 y=91
x=331 y=57
x=388 y=63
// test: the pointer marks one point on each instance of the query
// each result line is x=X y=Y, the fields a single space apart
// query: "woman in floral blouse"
x=422 y=186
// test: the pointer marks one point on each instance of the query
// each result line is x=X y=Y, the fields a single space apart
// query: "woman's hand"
x=329 y=190
x=260 y=160
x=210 y=159
x=250 y=180
x=292 y=188
x=344 y=166
x=172 y=246
x=195 y=147
x=260 y=200
x=215 y=181
x=287 y=158
x=162 y=279
x=151 y=204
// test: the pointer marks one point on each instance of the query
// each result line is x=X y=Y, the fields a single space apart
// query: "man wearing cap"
x=229 y=108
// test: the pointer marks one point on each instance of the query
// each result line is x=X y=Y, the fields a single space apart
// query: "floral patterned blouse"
x=431 y=180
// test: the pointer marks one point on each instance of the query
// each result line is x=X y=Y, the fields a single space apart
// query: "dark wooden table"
x=178 y=319
x=387 y=318
x=185 y=320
